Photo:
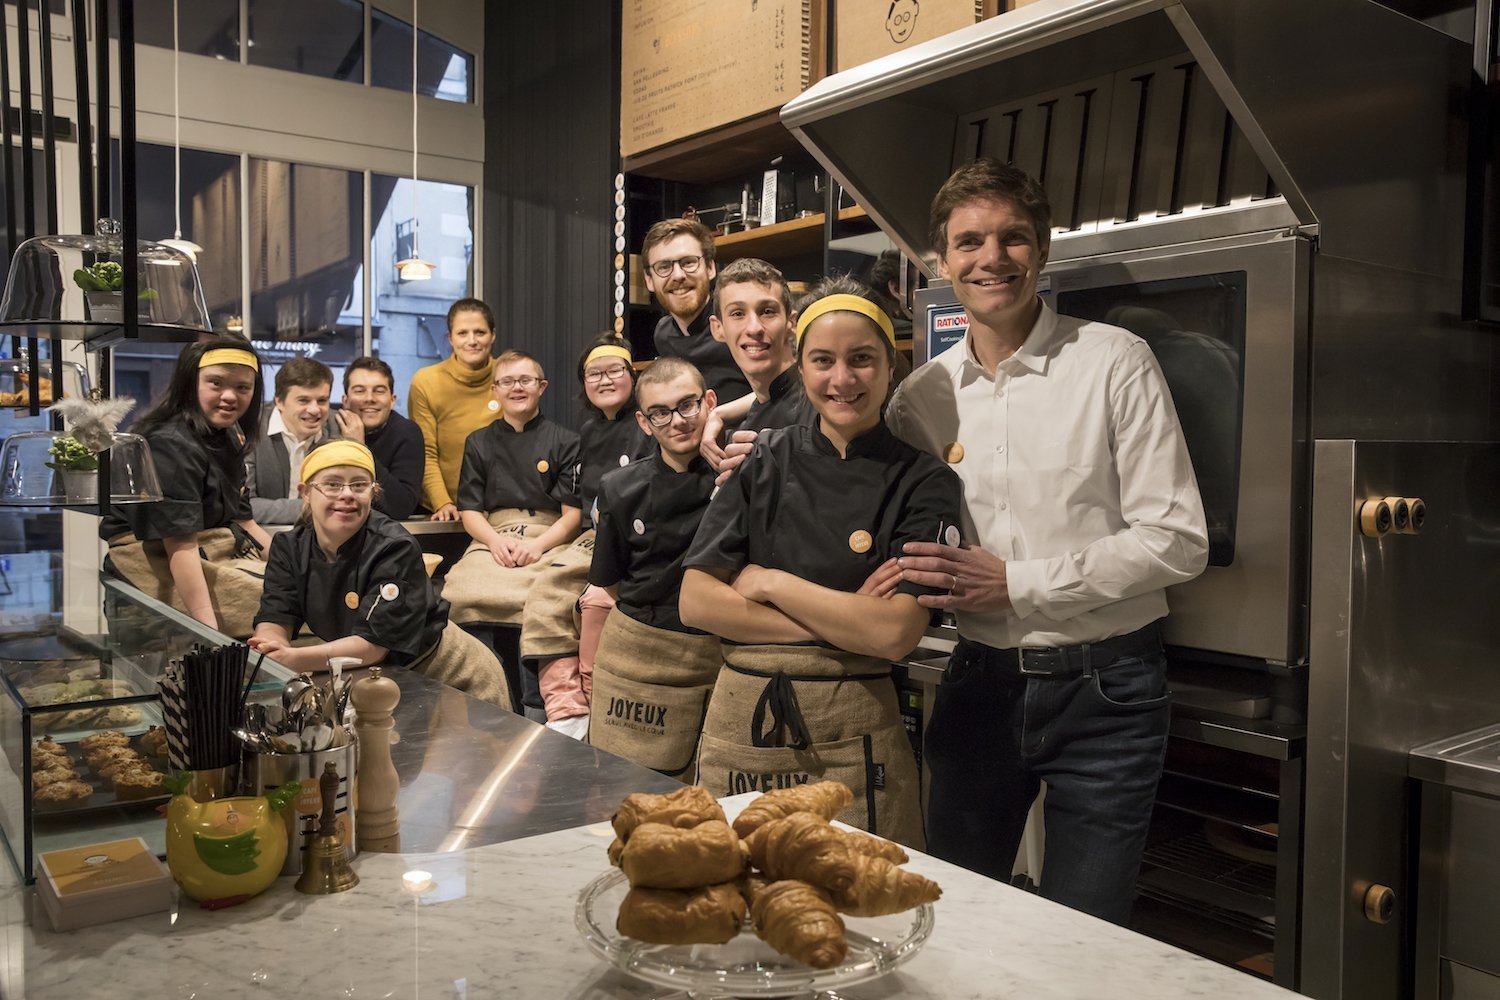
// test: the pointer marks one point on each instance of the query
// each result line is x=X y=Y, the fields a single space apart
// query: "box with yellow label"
x=97 y=883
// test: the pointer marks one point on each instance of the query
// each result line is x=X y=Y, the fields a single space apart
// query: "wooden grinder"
x=377 y=824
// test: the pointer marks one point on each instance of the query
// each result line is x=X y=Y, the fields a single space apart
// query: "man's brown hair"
x=302 y=373
x=670 y=229
x=664 y=370
x=752 y=270
x=989 y=179
x=512 y=355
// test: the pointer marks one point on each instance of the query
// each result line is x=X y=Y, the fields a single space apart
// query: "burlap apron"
x=785 y=715
x=234 y=585
x=549 y=626
x=461 y=661
x=651 y=688
x=480 y=589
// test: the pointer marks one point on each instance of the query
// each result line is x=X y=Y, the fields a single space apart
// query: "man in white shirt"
x=1080 y=507
x=299 y=422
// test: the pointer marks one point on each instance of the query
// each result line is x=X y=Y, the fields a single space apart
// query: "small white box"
x=94 y=884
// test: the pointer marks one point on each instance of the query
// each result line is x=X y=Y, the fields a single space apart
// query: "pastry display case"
x=80 y=726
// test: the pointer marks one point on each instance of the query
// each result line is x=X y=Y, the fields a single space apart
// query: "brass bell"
x=326 y=868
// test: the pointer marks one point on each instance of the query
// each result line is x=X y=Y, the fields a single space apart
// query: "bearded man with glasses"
x=517 y=499
x=679 y=255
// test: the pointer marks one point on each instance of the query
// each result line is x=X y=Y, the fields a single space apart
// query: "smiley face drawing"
x=901 y=20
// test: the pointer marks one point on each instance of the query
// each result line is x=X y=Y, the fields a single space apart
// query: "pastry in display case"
x=81 y=727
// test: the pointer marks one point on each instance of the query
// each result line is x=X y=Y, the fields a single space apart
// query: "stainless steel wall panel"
x=1402 y=652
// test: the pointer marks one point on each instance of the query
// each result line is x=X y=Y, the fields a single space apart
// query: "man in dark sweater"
x=369 y=417
x=679 y=256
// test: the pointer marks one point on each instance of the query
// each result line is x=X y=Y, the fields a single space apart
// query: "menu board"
x=687 y=66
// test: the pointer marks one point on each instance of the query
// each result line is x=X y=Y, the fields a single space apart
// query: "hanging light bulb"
x=413 y=268
x=188 y=247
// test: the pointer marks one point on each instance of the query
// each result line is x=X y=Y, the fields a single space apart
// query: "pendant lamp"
x=414 y=268
x=191 y=249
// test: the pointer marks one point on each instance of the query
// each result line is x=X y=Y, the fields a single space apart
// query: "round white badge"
x=951 y=536
x=639 y=526
x=493 y=404
x=390 y=592
x=624 y=461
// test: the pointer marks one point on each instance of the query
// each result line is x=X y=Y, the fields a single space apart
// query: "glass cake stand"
x=746 y=966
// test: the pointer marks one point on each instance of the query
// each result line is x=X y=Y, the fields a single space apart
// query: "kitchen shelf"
x=792 y=238
x=715 y=155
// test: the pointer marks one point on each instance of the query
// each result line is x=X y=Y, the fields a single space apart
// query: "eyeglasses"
x=360 y=488
x=689 y=265
x=613 y=374
x=524 y=381
x=661 y=416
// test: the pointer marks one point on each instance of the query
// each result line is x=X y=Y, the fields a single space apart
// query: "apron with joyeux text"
x=788 y=715
x=651 y=689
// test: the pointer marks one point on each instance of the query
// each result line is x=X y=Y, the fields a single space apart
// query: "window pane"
x=320 y=37
x=306 y=253
x=211 y=219
x=409 y=322
x=443 y=71
x=204 y=27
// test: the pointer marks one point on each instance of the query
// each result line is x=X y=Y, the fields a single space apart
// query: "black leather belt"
x=1070 y=661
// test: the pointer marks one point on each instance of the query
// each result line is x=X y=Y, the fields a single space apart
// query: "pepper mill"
x=376 y=821
x=326 y=869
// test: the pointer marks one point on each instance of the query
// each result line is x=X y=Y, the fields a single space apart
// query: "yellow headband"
x=607 y=351
x=846 y=303
x=337 y=453
x=229 y=356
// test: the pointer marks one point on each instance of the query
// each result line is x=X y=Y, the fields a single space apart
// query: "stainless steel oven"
x=1228 y=324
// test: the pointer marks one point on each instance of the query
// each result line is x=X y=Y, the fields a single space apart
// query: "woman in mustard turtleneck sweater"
x=451 y=400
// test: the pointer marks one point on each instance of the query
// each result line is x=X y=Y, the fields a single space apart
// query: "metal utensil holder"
x=266 y=771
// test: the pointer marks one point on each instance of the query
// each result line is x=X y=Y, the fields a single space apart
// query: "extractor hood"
x=1160 y=122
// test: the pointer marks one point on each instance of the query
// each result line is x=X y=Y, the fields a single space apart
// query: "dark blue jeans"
x=1097 y=740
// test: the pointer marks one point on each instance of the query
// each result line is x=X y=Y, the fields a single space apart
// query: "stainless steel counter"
x=1469 y=761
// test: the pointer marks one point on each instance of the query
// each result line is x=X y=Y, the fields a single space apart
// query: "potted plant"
x=101 y=283
x=77 y=465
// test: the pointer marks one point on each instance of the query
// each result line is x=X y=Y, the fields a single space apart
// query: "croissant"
x=710 y=915
x=666 y=857
x=804 y=846
x=686 y=807
x=860 y=843
x=615 y=850
x=799 y=920
x=823 y=798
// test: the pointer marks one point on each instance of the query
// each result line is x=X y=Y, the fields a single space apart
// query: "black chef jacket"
x=535 y=469
x=379 y=572
x=795 y=505
x=711 y=356
x=648 y=515
x=606 y=445
x=400 y=459
x=787 y=404
x=202 y=485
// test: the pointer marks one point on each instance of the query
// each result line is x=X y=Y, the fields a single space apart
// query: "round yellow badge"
x=860 y=541
x=542 y=466
x=953 y=453
x=351 y=600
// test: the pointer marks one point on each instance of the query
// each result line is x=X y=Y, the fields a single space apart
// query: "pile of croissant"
x=693 y=876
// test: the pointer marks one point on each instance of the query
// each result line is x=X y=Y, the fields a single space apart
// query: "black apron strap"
x=780 y=697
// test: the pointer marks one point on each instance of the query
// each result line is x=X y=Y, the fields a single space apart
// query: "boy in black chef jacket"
x=517 y=498
x=652 y=674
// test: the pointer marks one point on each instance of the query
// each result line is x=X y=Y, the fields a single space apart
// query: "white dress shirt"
x=1075 y=473
x=296 y=449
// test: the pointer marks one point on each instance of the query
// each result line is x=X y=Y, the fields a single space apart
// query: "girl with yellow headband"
x=554 y=635
x=356 y=579
x=182 y=550
x=794 y=568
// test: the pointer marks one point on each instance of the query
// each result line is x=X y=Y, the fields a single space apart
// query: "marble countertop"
x=499 y=923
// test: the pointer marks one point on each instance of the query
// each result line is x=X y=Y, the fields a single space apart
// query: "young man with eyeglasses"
x=679 y=255
x=652 y=674
x=369 y=417
x=517 y=498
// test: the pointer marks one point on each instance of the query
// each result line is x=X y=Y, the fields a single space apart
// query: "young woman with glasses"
x=794 y=568
x=551 y=633
x=356 y=579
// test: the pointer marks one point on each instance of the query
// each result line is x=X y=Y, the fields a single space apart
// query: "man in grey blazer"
x=299 y=422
